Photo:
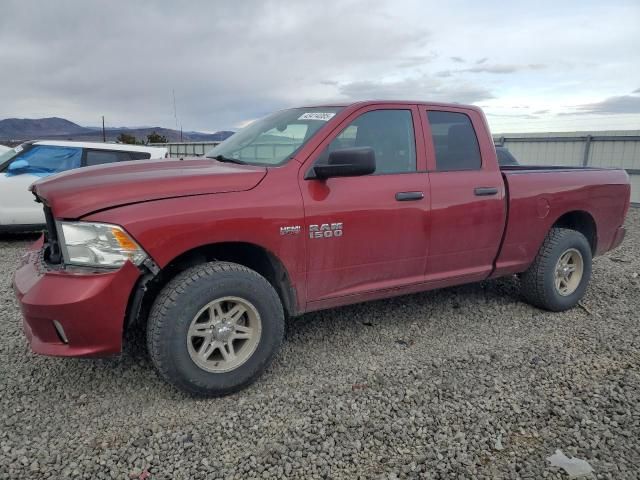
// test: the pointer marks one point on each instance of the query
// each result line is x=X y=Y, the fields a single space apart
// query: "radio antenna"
x=175 y=114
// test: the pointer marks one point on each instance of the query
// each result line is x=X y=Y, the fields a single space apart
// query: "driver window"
x=388 y=132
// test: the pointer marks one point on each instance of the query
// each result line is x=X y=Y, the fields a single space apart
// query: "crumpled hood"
x=77 y=193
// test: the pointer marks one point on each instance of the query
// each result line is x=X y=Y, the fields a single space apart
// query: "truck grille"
x=52 y=252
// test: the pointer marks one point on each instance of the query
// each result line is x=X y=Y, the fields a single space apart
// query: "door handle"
x=485 y=191
x=409 y=196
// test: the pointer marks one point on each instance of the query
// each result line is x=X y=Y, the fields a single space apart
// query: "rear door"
x=467 y=195
x=369 y=233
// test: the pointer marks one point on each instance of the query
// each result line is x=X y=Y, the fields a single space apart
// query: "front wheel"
x=214 y=328
x=560 y=273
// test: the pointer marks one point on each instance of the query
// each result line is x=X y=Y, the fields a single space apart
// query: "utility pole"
x=180 y=132
x=104 y=136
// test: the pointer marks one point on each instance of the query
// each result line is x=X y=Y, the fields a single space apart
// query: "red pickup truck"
x=308 y=208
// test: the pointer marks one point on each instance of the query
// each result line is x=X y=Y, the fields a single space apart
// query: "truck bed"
x=537 y=200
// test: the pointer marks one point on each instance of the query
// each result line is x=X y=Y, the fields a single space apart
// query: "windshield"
x=44 y=160
x=274 y=139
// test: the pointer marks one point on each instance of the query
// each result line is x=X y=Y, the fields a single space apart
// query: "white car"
x=26 y=163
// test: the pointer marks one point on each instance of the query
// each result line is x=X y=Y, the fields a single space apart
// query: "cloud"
x=229 y=62
x=417 y=88
x=527 y=116
x=613 y=105
x=226 y=62
x=502 y=68
x=482 y=67
x=416 y=60
x=637 y=90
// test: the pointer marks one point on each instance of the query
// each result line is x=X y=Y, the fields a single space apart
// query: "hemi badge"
x=291 y=230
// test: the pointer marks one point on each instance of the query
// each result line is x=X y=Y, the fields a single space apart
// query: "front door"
x=369 y=233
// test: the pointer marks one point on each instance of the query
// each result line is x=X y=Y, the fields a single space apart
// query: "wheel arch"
x=250 y=255
x=580 y=221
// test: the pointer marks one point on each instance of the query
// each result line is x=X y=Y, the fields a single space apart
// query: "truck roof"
x=395 y=102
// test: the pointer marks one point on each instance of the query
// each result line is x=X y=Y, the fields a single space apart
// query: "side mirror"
x=18 y=165
x=346 y=162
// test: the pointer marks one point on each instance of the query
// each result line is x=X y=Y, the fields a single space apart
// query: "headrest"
x=461 y=137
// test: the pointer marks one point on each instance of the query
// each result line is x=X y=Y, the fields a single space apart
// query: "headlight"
x=98 y=245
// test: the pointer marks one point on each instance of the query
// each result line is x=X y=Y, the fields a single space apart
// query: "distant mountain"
x=27 y=128
x=209 y=137
x=22 y=129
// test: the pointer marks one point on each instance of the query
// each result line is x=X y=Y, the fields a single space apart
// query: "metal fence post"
x=587 y=148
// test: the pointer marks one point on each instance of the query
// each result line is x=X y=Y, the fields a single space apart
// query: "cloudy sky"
x=533 y=66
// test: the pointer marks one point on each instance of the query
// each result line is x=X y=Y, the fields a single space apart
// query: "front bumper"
x=90 y=307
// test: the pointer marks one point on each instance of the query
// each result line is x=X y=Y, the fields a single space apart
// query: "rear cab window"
x=455 y=141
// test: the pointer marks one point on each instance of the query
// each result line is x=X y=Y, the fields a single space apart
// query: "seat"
x=390 y=144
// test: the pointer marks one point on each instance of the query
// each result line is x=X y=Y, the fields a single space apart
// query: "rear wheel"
x=214 y=328
x=560 y=273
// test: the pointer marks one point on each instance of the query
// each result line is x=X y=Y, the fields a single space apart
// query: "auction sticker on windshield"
x=322 y=116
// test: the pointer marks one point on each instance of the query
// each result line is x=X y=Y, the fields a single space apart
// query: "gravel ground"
x=466 y=382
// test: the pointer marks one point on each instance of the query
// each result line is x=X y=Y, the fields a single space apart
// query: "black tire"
x=538 y=282
x=179 y=303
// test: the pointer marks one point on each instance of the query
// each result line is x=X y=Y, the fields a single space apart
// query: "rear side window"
x=388 y=132
x=139 y=155
x=455 y=141
x=44 y=160
x=100 y=157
